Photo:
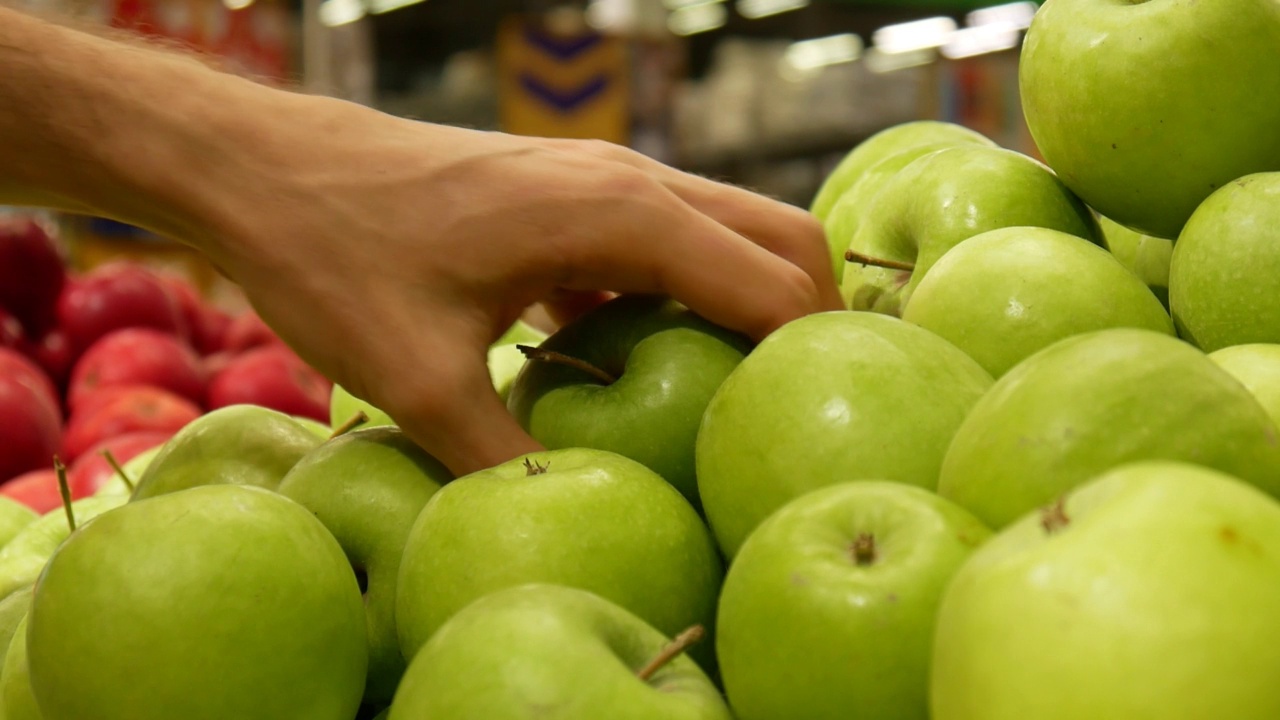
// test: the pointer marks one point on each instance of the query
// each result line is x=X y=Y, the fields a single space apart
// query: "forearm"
x=121 y=130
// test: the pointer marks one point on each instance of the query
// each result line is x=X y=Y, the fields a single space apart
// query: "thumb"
x=458 y=417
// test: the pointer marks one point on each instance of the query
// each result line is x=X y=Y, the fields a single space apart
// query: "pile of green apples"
x=1030 y=473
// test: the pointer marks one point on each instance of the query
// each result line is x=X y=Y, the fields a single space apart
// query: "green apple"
x=546 y=652
x=942 y=199
x=316 y=427
x=1150 y=593
x=663 y=364
x=881 y=145
x=505 y=362
x=238 y=444
x=827 y=398
x=1144 y=108
x=1094 y=401
x=1146 y=256
x=134 y=467
x=368 y=487
x=343 y=406
x=827 y=611
x=225 y=601
x=12 y=610
x=1257 y=366
x=24 y=557
x=1225 y=276
x=1005 y=294
x=521 y=333
x=14 y=516
x=841 y=224
x=584 y=518
x=17 y=701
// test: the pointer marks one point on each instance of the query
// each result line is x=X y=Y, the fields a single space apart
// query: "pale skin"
x=389 y=253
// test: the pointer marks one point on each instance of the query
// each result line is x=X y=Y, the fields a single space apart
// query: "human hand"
x=391 y=253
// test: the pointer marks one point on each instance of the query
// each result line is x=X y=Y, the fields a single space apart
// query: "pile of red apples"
x=117 y=360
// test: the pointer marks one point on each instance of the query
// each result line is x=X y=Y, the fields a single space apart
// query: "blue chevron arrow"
x=564 y=101
x=561 y=48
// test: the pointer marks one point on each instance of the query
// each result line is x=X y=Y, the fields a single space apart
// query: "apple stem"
x=352 y=423
x=1054 y=517
x=671 y=651
x=64 y=489
x=857 y=257
x=533 y=353
x=864 y=549
x=115 y=465
x=533 y=467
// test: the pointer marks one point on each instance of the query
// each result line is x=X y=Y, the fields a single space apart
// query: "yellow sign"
x=558 y=85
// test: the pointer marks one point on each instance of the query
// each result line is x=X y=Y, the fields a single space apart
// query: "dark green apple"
x=368 y=487
x=827 y=612
x=663 y=363
x=942 y=199
x=548 y=652
x=221 y=601
x=828 y=398
x=1095 y=401
x=236 y=445
x=584 y=518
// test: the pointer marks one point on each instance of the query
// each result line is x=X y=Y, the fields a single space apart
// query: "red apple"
x=94 y=400
x=138 y=356
x=54 y=353
x=17 y=365
x=92 y=471
x=31 y=273
x=116 y=296
x=12 y=335
x=274 y=377
x=30 y=426
x=210 y=332
x=142 y=409
x=212 y=365
x=248 y=331
x=37 y=489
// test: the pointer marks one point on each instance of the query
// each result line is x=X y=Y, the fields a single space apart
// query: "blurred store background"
x=769 y=94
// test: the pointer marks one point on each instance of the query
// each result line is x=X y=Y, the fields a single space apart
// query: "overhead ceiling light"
x=377 y=7
x=681 y=4
x=1017 y=15
x=824 y=51
x=340 y=12
x=980 y=39
x=913 y=36
x=698 y=19
x=616 y=15
x=237 y=4
x=756 y=9
x=878 y=61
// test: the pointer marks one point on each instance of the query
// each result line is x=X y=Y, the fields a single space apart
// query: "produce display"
x=1031 y=472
